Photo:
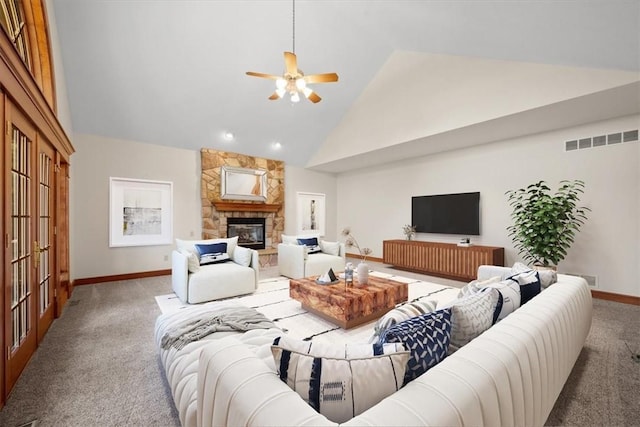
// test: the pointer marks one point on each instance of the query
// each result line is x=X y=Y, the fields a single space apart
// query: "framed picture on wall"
x=310 y=213
x=140 y=212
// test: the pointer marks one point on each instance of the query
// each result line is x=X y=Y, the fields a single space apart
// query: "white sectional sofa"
x=510 y=375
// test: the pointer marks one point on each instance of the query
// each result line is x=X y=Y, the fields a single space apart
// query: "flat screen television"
x=447 y=213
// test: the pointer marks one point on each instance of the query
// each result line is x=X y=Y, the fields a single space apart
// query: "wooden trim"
x=247 y=207
x=119 y=277
x=610 y=296
x=20 y=84
x=358 y=256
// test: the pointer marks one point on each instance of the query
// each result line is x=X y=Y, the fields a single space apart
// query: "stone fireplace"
x=250 y=231
x=216 y=212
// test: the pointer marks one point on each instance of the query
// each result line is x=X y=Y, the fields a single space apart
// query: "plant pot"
x=363 y=273
x=541 y=267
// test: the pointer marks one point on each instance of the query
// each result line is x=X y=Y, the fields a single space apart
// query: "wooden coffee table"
x=352 y=306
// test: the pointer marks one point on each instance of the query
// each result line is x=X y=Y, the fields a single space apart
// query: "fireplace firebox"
x=250 y=231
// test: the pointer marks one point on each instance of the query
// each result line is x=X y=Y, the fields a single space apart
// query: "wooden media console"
x=440 y=259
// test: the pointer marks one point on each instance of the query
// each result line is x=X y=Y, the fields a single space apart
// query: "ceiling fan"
x=293 y=81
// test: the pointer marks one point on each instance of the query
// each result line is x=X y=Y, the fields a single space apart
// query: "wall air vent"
x=592 y=281
x=631 y=135
x=601 y=140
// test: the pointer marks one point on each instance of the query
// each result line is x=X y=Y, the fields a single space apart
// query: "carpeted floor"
x=98 y=365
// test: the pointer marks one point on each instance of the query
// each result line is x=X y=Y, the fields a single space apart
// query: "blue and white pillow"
x=427 y=337
x=311 y=244
x=401 y=313
x=213 y=253
x=508 y=300
x=340 y=381
x=547 y=276
x=529 y=282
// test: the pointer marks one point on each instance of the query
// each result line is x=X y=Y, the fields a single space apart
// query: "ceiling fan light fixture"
x=293 y=80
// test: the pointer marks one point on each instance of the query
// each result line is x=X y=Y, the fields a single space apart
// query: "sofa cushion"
x=189 y=245
x=242 y=256
x=476 y=286
x=213 y=253
x=311 y=245
x=330 y=248
x=340 y=381
x=293 y=240
x=529 y=283
x=216 y=281
x=508 y=300
x=401 y=313
x=547 y=276
x=426 y=336
x=472 y=315
x=193 y=260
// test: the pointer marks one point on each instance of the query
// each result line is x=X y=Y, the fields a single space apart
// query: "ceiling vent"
x=601 y=140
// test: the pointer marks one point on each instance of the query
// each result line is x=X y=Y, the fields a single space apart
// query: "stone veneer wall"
x=214 y=222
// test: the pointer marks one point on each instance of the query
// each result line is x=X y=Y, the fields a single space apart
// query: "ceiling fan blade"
x=264 y=76
x=274 y=96
x=313 y=97
x=321 y=78
x=291 y=63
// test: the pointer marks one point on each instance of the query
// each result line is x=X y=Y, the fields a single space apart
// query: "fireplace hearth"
x=250 y=231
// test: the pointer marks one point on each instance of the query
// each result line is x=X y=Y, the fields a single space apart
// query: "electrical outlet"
x=191 y=233
x=166 y=257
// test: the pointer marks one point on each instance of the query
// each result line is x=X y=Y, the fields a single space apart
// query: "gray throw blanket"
x=235 y=318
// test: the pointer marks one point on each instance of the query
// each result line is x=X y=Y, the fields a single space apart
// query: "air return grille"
x=601 y=140
x=592 y=281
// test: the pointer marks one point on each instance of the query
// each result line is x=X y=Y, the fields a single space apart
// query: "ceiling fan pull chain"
x=294 y=26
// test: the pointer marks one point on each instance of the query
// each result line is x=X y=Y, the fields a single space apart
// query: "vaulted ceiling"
x=173 y=72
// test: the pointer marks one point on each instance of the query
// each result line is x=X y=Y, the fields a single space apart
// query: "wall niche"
x=214 y=220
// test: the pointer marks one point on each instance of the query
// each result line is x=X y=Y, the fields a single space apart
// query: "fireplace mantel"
x=247 y=207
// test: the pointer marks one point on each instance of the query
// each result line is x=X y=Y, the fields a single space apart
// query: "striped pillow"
x=401 y=313
x=340 y=381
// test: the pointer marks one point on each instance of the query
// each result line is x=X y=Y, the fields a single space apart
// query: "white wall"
x=417 y=95
x=62 y=101
x=376 y=202
x=98 y=158
x=302 y=180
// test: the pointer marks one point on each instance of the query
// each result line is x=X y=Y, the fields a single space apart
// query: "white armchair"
x=294 y=261
x=195 y=284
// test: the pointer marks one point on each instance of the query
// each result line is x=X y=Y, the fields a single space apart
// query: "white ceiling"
x=173 y=72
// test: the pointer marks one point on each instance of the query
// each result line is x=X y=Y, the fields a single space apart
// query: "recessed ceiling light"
x=229 y=136
x=276 y=145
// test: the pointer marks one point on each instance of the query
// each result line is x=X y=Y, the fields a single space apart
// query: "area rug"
x=271 y=298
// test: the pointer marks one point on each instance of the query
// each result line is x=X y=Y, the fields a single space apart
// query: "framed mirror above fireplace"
x=250 y=231
x=243 y=184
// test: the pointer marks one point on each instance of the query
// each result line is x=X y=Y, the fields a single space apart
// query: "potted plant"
x=409 y=231
x=545 y=223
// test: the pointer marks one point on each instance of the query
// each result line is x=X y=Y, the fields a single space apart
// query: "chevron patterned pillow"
x=472 y=315
x=426 y=336
x=401 y=313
